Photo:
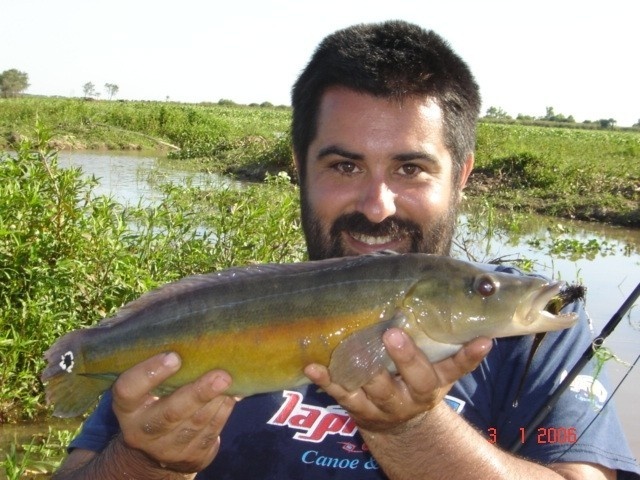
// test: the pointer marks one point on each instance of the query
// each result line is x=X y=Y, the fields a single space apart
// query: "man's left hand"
x=388 y=401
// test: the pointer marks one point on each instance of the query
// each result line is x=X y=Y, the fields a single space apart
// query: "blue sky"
x=579 y=57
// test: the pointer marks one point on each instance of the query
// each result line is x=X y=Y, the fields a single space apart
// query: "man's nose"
x=377 y=201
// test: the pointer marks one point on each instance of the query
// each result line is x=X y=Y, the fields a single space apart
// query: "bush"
x=69 y=258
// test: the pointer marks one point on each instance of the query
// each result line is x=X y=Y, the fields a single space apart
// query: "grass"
x=68 y=258
x=39 y=458
x=571 y=173
x=231 y=139
x=567 y=172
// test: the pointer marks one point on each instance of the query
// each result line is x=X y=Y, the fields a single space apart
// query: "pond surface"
x=133 y=177
x=610 y=271
x=610 y=275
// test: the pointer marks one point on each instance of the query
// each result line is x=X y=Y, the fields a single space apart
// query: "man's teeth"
x=368 y=239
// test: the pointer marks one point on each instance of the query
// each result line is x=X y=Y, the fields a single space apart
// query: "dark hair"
x=394 y=59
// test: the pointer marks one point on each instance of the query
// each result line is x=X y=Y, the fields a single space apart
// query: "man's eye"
x=410 y=170
x=345 y=167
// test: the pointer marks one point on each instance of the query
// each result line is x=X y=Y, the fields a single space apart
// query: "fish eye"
x=486 y=286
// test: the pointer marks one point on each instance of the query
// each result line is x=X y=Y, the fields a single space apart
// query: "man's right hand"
x=179 y=432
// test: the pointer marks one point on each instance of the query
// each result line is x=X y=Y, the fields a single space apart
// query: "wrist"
x=435 y=414
x=134 y=463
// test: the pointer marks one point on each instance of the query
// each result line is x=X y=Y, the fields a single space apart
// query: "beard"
x=435 y=237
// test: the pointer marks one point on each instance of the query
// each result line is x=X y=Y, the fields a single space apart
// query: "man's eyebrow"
x=411 y=156
x=335 y=150
x=400 y=157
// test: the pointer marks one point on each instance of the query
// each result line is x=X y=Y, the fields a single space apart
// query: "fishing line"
x=624 y=377
x=544 y=411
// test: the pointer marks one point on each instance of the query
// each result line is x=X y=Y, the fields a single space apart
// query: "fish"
x=264 y=323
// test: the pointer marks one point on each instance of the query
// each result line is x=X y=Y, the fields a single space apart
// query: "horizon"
x=231 y=102
x=576 y=57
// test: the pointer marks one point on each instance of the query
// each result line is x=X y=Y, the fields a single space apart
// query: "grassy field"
x=572 y=173
x=584 y=174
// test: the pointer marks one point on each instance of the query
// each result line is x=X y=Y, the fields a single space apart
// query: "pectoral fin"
x=362 y=355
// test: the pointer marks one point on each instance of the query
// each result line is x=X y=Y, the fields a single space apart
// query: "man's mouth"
x=360 y=243
x=354 y=234
x=372 y=240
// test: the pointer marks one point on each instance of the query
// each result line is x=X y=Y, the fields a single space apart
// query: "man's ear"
x=465 y=170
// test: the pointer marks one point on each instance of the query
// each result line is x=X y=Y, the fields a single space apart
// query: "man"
x=384 y=132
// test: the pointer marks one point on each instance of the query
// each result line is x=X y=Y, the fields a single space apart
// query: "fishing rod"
x=584 y=359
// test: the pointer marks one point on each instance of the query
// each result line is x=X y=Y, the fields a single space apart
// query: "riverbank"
x=589 y=175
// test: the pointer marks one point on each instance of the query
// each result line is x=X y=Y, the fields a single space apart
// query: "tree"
x=607 y=122
x=637 y=125
x=89 y=89
x=13 y=82
x=551 y=116
x=112 y=89
x=497 y=113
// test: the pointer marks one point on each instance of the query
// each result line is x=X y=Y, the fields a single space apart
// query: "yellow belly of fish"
x=259 y=359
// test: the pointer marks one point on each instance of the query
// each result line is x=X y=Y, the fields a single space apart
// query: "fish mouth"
x=539 y=317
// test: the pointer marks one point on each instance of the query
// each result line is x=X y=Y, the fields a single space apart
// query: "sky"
x=580 y=57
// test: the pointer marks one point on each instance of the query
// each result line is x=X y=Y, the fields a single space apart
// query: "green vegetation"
x=552 y=119
x=67 y=259
x=229 y=138
x=584 y=174
x=590 y=174
x=40 y=457
x=13 y=82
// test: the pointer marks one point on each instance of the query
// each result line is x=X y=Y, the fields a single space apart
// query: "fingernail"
x=171 y=360
x=396 y=338
x=487 y=345
x=220 y=383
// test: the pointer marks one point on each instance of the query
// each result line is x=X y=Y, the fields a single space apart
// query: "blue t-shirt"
x=303 y=433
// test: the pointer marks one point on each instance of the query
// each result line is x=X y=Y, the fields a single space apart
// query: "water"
x=129 y=178
x=609 y=274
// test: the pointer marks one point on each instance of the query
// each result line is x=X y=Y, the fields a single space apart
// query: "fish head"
x=459 y=301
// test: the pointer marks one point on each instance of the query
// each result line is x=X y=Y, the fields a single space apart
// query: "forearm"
x=443 y=446
x=117 y=461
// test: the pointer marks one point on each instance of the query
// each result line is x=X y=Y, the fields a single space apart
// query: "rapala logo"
x=314 y=422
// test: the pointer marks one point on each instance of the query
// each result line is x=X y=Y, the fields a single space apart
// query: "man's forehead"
x=338 y=95
x=359 y=122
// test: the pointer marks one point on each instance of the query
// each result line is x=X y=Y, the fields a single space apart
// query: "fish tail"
x=66 y=387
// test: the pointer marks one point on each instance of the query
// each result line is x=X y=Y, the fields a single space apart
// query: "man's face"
x=379 y=178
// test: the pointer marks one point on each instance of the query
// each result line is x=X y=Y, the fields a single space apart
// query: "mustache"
x=394 y=227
